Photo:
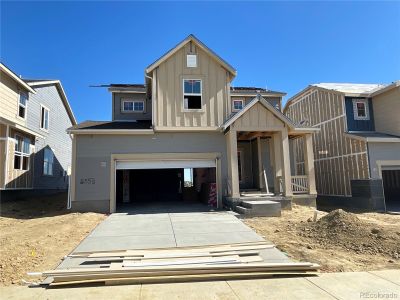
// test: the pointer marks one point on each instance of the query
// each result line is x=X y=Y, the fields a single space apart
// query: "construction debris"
x=234 y=261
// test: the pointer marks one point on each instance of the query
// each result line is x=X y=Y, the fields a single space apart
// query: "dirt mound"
x=343 y=229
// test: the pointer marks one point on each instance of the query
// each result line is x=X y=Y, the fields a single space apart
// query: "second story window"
x=192 y=94
x=132 y=106
x=23 y=97
x=237 y=105
x=360 y=109
x=44 y=118
x=21 y=153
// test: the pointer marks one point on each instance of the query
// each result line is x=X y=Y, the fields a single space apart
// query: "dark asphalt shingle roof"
x=107 y=125
x=253 y=90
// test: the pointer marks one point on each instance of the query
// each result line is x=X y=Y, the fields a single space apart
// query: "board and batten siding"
x=9 y=99
x=258 y=118
x=337 y=159
x=386 y=111
x=169 y=77
x=56 y=138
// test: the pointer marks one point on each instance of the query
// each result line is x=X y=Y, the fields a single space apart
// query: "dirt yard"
x=339 y=241
x=36 y=234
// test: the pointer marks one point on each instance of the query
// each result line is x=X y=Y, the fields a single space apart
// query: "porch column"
x=233 y=175
x=282 y=161
x=309 y=163
x=260 y=165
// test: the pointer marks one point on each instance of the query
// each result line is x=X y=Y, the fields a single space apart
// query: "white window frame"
x=233 y=104
x=133 y=106
x=192 y=94
x=45 y=171
x=42 y=107
x=21 y=153
x=355 y=110
x=25 y=106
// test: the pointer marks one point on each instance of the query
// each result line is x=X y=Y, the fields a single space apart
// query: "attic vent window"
x=192 y=94
x=191 y=60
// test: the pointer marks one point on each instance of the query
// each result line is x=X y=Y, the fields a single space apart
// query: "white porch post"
x=309 y=163
x=282 y=161
x=233 y=175
x=277 y=149
x=260 y=166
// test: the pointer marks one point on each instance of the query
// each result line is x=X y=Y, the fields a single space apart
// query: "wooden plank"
x=183 y=278
x=142 y=253
x=76 y=254
x=261 y=266
x=181 y=261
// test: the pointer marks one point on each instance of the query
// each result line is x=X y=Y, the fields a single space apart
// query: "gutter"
x=112 y=131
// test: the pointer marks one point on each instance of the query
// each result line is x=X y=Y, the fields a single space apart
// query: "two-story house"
x=187 y=128
x=35 y=150
x=357 y=151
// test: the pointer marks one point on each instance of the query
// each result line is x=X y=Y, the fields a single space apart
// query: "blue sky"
x=280 y=45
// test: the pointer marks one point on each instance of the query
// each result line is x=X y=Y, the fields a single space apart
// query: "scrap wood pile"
x=233 y=261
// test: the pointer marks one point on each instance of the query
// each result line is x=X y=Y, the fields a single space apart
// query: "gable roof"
x=267 y=105
x=386 y=88
x=16 y=78
x=191 y=38
x=39 y=82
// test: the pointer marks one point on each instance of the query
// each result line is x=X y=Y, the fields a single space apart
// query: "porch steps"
x=265 y=208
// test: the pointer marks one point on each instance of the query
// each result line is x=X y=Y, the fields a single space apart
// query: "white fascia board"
x=112 y=131
x=16 y=78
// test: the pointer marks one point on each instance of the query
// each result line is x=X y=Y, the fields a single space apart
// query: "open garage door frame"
x=163 y=161
x=386 y=165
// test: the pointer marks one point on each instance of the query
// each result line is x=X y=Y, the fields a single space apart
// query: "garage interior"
x=135 y=187
x=391 y=187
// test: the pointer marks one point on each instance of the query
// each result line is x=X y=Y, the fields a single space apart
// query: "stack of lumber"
x=235 y=261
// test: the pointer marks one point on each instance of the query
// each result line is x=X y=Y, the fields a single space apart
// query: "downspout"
x=69 y=202
x=6 y=154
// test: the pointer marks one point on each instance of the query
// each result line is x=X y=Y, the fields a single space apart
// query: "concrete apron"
x=142 y=230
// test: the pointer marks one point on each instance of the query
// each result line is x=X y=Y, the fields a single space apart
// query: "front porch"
x=261 y=164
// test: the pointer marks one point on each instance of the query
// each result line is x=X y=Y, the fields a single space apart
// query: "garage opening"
x=165 y=182
x=391 y=186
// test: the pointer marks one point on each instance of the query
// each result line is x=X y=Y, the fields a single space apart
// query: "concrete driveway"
x=169 y=226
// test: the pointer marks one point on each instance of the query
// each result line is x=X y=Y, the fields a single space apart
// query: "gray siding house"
x=187 y=135
x=37 y=150
x=357 y=151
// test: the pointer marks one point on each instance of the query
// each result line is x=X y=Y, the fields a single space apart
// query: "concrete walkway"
x=163 y=227
x=344 y=286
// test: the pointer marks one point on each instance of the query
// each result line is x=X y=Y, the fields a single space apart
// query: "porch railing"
x=300 y=184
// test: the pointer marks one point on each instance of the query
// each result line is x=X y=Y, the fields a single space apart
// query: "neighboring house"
x=358 y=145
x=34 y=146
x=187 y=134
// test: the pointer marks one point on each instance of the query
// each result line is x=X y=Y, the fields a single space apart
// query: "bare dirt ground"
x=36 y=234
x=339 y=241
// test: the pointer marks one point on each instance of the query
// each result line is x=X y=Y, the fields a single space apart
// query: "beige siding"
x=169 y=92
x=9 y=97
x=386 y=108
x=337 y=159
x=258 y=118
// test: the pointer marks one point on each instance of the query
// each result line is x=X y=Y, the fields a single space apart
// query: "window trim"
x=52 y=164
x=21 y=153
x=233 y=105
x=24 y=106
x=192 y=94
x=355 y=109
x=123 y=100
x=48 y=118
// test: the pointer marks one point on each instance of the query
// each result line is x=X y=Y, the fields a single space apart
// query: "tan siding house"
x=196 y=144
